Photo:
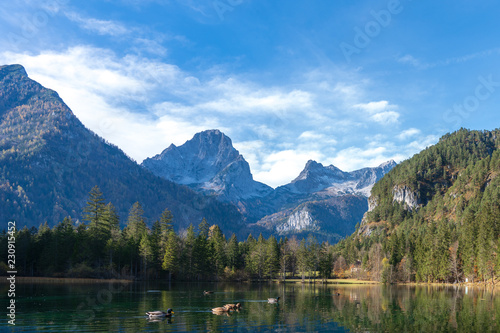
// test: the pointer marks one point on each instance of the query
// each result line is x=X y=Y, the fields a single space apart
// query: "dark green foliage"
x=452 y=234
x=100 y=249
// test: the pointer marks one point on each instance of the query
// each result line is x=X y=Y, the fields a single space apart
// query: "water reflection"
x=332 y=308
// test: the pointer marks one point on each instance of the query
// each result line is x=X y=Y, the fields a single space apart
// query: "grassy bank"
x=329 y=281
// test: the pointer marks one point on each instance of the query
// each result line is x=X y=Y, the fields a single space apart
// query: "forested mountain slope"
x=436 y=216
x=49 y=162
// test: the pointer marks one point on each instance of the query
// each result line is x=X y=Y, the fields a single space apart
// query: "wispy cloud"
x=102 y=27
x=143 y=106
x=419 y=64
x=409 y=133
x=381 y=112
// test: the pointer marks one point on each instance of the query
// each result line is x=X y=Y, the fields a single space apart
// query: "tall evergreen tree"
x=272 y=260
x=171 y=256
x=134 y=231
x=94 y=213
x=233 y=252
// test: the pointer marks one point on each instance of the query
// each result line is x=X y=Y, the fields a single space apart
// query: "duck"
x=224 y=308
x=159 y=314
x=233 y=306
x=273 y=300
x=207 y=292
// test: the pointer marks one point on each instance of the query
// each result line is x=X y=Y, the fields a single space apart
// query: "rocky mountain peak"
x=210 y=163
x=12 y=70
x=316 y=177
x=388 y=165
x=314 y=170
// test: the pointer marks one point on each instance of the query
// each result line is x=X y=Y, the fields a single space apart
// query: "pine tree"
x=94 y=213
x=257 y=257
x=272 y=257
x=145 y=253
x=136 y=225
x=201 y=251
x=155 y=240
x=113 y=222
x=171 y=255
x=303 y=259
x=217 y=244
x=325 y=261
x=442 y=253
x=134 y=231
x=165 y=224
x=188 y=260
x=233 y=252
x=467 y=243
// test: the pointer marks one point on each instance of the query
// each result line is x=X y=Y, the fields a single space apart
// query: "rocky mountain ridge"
x=50 y=161
x=210 y=164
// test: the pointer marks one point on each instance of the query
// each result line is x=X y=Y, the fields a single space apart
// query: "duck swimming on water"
x=159 y=314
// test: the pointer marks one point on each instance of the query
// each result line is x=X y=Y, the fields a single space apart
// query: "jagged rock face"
x=332 y=181
x=208 y=163
x=296 y=222
x=315 y=177
x=197 y=161
x=403 y=194
x=321 y=199
x=372 y=203
x=367 y=177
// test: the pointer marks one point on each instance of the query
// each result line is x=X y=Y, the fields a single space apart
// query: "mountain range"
x=323 y=199
x=49 y=161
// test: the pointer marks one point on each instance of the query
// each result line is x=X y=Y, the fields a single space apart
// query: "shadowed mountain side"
x=49 y=162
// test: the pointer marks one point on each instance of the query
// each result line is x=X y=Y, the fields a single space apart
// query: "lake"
x=108 y=307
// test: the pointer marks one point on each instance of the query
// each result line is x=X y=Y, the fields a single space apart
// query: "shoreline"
x=42 y=279
x=328 y=281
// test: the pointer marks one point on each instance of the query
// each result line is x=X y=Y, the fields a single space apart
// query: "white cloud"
x=381 y=112
x=354 y=158
x=373 y=107
x=102 y=27
x=386 y=118
x=422 y=143
x=283 y=166
x=409 y=133
x=143 y=106
x=311 y=135
x=409 y=59
x=150 y=46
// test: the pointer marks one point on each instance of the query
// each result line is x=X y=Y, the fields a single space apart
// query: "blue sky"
x=349 y=83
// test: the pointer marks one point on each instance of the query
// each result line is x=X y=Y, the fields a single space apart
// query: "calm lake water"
x=111 y=307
